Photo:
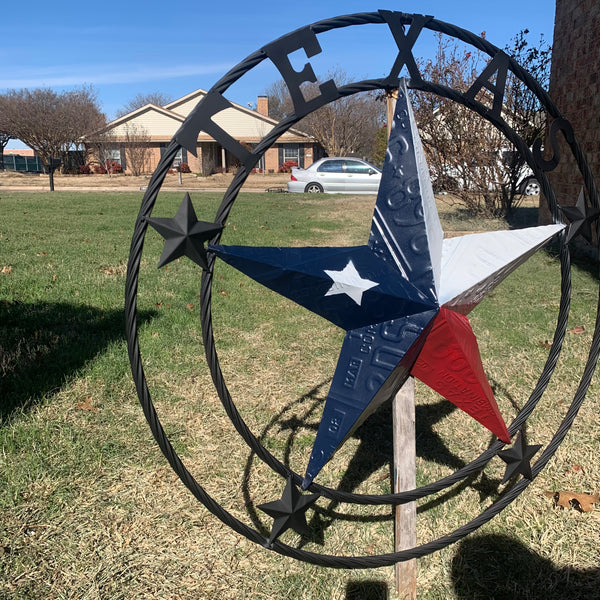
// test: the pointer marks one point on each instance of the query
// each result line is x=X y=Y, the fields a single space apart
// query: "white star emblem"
x=349 y=282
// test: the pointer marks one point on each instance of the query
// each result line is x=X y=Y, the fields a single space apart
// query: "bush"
x=286 y=167
x=85 y=169
x=116 y=167
x=185 y=168
x=112 y=165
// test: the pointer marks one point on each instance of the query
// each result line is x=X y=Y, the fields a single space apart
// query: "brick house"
x=245 y=125
x=575 y=88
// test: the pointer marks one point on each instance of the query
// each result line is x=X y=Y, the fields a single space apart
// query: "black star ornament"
x=289 y=511
x=581 y=217
x=184 y=235
x=518 y=458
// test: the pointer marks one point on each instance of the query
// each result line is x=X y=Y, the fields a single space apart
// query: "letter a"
x=499 y=66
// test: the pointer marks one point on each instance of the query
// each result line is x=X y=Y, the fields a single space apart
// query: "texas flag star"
x=403 y=298
x=349 y=282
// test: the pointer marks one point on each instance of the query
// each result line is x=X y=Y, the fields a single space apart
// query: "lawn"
x=90 y=509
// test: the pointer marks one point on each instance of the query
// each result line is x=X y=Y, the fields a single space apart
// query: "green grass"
x=89 y=507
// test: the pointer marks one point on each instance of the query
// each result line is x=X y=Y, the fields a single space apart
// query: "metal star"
x=581 y=217
x=518 y=458
x=184 y=235
x=289 y=511
x=412 y=317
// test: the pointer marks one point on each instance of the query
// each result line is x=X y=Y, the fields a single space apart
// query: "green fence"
x=23 y=164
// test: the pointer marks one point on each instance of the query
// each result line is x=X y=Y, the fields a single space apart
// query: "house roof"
x=162 y=122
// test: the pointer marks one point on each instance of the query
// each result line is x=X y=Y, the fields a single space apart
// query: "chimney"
x=262 y=105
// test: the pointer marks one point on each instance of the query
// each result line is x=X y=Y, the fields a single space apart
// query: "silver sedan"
x=336 y=175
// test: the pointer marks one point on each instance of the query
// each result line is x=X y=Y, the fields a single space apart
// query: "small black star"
x=581 y=217
x=518 y=458
x=184 y=235
x=289 y=511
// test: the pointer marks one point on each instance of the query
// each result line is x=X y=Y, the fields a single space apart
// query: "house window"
x=290 y=152
x=113 y=155
x=180 y=157
x=293 y=152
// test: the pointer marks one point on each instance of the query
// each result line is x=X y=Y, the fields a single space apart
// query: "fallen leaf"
x=86 y=405
x=576 y=469
x=577 y=329
x=53 y=278
x=545 y=344
x=580 y=502
x=119 y=270
x=158 y=304
x=189 y=306
x=6 y=270
x=224 y=293
x=41 y=254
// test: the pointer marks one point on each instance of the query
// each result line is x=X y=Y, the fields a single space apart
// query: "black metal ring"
x=212 y=359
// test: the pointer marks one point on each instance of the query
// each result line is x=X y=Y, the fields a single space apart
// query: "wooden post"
x=405 y=479
x=391 y=97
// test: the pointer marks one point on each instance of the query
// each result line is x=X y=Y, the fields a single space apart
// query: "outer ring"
x=229 y=197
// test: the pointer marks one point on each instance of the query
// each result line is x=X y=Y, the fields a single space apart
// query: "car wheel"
x=531 y=187
x=314 y=188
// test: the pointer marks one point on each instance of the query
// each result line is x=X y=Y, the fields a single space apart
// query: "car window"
x=354 y=166
x=331 y=166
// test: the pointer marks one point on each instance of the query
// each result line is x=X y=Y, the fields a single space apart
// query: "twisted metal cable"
x=351 y=562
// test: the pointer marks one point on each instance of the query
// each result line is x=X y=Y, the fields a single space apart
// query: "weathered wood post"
x=405 y=479
x=404 y=458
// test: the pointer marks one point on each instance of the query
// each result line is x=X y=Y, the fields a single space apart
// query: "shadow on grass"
x=374 y=451
x=367 y=590
x=42 y=344
x=523 y=216
x=497 y=567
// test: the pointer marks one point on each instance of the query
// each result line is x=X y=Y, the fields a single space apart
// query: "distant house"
x=159 y=124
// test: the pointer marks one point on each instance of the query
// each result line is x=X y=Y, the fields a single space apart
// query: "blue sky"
x=127 y=48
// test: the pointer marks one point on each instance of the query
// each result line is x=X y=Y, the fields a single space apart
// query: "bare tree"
x=156 y=98
x=5 y=134
x=4 y=138
x=344 y=127
x=280 y=101
x=526 y=115
x=467 y=155
x=137 y=149
x=52 y=123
